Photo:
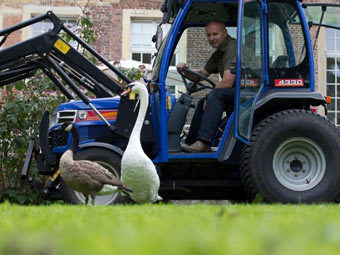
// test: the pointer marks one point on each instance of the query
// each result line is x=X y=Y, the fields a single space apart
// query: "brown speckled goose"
x=85 y=176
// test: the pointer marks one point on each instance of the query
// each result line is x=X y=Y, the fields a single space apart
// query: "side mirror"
x=158 y=37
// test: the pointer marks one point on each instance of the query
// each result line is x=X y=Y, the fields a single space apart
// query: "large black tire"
x=107 y=159
x=293 y=158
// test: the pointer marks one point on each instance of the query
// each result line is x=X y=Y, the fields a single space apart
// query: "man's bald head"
x=216 y=33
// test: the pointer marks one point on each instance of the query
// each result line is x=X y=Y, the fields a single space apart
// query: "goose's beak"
x=126 y=91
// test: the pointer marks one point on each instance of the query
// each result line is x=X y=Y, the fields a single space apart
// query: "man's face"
x=216 y=34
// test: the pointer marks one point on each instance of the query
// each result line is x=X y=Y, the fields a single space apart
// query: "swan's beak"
x=126 y=91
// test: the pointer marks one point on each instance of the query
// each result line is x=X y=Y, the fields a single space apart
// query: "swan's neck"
x=135 y=134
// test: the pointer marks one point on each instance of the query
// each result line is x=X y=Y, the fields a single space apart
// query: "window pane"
x=338 y=78
x=330 y=63
x=337 y=91
x=148 y=27
x=171 y=89
x=71 y=25
x=330 y=77
x=140 y=37
x=232 y=31
x=331 y=90
x=43 y=26
x=279 y=36
x=330 y=45
x=338 y=44
x=136 y=27
x=330 y=33
x=173 y=60
x=331 y=116
x=147 y=58
x=136 y=56
x=250 y=57
x=36 y=28
x=338 y=119
x=277 y=47
x=331 y=107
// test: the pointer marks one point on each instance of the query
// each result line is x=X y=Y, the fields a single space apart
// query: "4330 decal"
x=288 y=82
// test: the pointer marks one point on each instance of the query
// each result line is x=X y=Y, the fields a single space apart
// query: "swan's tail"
x=157 y=199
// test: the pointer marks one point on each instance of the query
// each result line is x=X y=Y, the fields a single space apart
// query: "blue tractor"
x=271 y=144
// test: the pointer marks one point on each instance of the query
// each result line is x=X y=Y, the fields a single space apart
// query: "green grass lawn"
x=170 y=229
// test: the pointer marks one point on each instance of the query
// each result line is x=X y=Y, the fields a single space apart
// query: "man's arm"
x=204 y=72
x=227 y=80
x=181 y=66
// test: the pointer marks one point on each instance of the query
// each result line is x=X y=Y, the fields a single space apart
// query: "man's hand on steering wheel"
x=195 y=77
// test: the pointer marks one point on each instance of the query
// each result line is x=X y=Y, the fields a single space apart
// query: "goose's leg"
x=86 y=199
x=93 y=199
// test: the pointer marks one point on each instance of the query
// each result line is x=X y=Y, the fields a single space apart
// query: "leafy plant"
x=21 y=117
x=132 y=73
x=85 y=31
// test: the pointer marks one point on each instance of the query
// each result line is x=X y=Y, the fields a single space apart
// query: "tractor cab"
x=274 y=68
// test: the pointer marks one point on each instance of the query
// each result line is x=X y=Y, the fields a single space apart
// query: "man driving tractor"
x=210 y=109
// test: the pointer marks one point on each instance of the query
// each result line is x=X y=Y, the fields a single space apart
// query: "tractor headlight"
x=82 y=115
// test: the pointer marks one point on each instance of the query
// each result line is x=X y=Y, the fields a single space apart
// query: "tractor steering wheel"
x=195 y=80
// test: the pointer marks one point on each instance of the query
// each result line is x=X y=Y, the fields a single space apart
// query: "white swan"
x=137 y=170
x=85 y=176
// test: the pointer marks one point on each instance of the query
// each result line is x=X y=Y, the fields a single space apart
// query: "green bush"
x=20 y=118
x=133 y=74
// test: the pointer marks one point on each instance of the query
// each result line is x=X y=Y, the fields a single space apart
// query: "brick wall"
x=198 y=48
x=8 y=20
x=108 y=17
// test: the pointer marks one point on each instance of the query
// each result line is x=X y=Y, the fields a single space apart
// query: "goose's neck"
x=75 y=139
x=67 y=157
x=144 y=101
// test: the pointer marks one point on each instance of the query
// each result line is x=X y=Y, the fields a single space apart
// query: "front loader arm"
x=56 y=58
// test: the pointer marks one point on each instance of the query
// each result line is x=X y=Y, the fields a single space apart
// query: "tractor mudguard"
x=302 y=98
x=51 y=158
x=111 y=147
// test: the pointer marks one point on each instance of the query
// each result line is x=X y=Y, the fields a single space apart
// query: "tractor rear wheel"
x=293 y=158
x=106 y=158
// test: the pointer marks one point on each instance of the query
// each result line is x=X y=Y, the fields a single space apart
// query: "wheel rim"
x=101 y=200
x=299 y=164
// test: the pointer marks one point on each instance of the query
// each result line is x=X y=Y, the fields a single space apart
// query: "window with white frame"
x=333 y=73
x=141 y=46
x=45 y=25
